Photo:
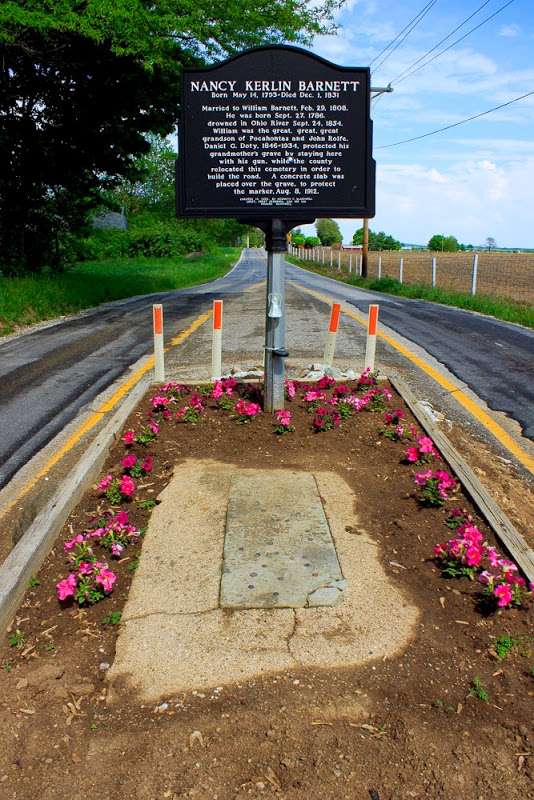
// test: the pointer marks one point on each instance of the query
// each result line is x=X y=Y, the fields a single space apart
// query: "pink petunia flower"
x=71 y=543
x=106 y=578
x=116 y=549
x=159 y=401
x=290 y=389
x=283 y=417
x=129 y=437
x=148 y=464
x=425 y=444
x=504 y=595
x=127 y=486
x=412 y=455
x=129 y=461
x=422 y=477
x=154 y=427
x=66 y=587
x=105 y=483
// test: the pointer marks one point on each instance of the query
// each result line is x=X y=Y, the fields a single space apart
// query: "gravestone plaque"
x=276 y=132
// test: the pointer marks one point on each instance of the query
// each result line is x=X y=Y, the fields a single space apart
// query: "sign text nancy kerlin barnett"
x=276 y=132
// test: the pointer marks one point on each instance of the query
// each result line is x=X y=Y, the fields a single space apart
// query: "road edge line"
x=27 y=556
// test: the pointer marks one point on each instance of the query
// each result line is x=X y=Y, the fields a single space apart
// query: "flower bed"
x=471 y=597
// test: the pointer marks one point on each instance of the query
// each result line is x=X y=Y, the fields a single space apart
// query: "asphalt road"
x=47 y=375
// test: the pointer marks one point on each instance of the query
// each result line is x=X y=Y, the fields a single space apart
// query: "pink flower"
x=86 y=568
x=116 y=548
x=425 y=444
x=493 y=557
x=154 y=427
x=504 y=595
x=218 y=390
x=325 y=382
x=422 y=477
x=121 y=517
x=473 y=555
x=159 y=401
x=195 y=402
x=399 y=430
x=247 y=409
x=283 y=417
x=129 y=437
x=127 y=486
x=66 y=587
x=105 y=483
x=312 y=396
x=148 y=464
x=412 y=455
x=290 y=389
x=106 y=578
x=71 y=543
x=486 y=577
x=358 y=403
x=341 y=390
x=129 y=461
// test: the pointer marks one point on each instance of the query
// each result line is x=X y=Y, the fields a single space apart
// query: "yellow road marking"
x=96 y=416
x=462 y=398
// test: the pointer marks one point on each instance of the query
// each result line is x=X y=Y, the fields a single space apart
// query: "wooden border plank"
x=501 y=525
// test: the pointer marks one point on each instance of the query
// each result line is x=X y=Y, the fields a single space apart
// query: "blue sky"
x=478 y=179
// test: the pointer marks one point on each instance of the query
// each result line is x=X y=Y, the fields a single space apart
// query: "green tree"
x=328 y=232
x=312 y=241
x=377 y=241
x=445 y=244
x=83 y=83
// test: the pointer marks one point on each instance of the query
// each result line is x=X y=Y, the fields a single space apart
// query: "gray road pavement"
x=48 y=375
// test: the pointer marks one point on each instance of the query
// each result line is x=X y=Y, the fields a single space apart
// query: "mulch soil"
x=408 y=727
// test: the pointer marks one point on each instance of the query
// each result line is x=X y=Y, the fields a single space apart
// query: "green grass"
x=501 y=308
x=24 y=301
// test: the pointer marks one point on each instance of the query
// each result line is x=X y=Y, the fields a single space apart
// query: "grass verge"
x=500 y=308
x=24 y=301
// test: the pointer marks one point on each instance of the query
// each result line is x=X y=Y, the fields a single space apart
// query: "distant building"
x=351 y=248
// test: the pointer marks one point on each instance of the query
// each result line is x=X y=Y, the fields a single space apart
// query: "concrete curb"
x=31 y=550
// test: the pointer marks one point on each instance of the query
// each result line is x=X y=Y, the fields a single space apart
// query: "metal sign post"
x=275 y=322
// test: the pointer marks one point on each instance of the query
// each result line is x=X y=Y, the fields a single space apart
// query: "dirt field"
x=418 y=725
x=506 y=275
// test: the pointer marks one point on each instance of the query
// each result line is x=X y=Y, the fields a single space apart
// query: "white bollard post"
x=350 y=263
x=370 y=347
x=339 y=260
x=331 y=257
x=474 y=274
x=401 y=270
x=379 y=267
x=331 y=336
x=159 y=355
x=360 y=263
x=434 y=264
x=216 y=342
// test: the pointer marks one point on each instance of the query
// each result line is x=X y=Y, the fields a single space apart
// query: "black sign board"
x=276 y=132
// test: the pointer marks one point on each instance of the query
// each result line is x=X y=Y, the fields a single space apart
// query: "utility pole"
x=365 y=248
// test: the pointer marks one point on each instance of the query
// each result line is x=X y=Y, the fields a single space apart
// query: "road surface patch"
x=175 y=636
x=278 y=549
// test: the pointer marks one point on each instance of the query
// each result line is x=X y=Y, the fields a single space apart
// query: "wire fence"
x=502 y=275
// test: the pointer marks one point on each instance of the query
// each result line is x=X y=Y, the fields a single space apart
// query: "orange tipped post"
x=216 y=343
x=159 y=356
x=331 y=336
x=370 y=349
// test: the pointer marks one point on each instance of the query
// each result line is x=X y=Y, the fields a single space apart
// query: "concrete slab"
x=278 y=549
x=175 y=638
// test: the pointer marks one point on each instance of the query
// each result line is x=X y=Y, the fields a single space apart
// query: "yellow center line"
x=463 y=399
x=105 y=407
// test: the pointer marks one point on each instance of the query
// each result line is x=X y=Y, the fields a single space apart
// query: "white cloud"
x=510 y=31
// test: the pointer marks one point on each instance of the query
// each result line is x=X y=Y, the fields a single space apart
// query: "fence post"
x=323 y=254
x=401 y=270
x=331 y=257
x=434 y=264
x=474 y=274
x=360 y=265
x=159 y=362
x=350 y=263
x=379 y=267
x=339 y=260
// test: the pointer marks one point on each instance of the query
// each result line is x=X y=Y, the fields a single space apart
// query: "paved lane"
x=495 y=359
x=46 y=376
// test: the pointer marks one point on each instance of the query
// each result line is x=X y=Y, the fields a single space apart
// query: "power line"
x=414 y=22
x=453 y=44
x=441 y=41
x=455 y=124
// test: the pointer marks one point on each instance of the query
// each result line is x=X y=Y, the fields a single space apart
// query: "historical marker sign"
x=276 y=132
